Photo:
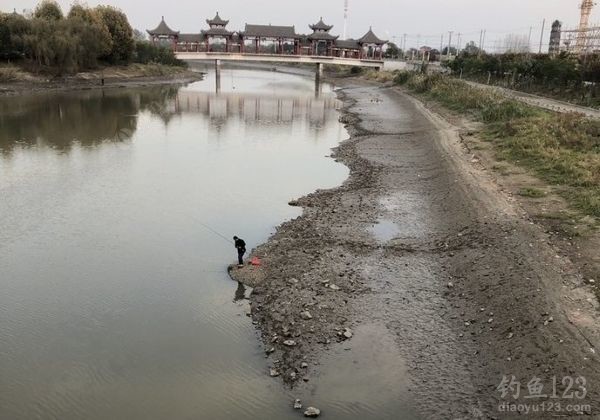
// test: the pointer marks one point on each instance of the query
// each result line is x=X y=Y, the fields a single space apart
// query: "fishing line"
x=213 y=231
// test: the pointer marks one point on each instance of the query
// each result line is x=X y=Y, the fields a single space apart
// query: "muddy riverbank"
x=139 y=76
x=421 y=241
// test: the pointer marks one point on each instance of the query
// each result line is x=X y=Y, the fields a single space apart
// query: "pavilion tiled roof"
x=162 y=29
x=270 y=31
x=217 y=21
x=217 y=32
x=320 y=26
x=191 y=38
x=348 y=44
x=371 y=38
x=320 y=36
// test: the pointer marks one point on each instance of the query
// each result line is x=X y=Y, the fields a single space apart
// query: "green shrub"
x=355 y=70
x=145 y=52
x=401 y=78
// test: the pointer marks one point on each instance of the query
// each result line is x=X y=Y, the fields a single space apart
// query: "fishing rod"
x=213 y=231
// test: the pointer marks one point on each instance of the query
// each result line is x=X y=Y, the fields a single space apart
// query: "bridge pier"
x=319 y=73
x=218 y=75
x=318 y=77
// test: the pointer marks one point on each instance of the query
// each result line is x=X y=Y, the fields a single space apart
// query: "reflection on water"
x=255 y=107
x=240 y=293
x=88 y=118
x=115 y=301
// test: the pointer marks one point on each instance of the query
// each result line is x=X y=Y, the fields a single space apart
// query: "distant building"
x=555 y=36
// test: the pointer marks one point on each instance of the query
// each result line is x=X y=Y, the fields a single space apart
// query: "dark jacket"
x=240 y=244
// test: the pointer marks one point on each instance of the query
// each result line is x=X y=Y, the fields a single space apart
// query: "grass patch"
x=484 y=106
x=561 y=149
x=10 y=73
x=141 y=70
x=155 y=69
x=531 y=192
x=381 y=76
x=503 y=170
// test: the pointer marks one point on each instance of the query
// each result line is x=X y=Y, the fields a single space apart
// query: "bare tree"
x=515 y=43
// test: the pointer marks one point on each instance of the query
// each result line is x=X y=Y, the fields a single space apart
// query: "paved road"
x=540 y=101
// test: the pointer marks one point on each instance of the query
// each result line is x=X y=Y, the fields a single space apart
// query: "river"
x=115 y=298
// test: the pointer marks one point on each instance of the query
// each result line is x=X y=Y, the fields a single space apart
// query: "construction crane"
x=345 y=19
x=586 y=10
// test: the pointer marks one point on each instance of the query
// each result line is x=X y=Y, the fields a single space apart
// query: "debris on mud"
x=461 y=289
x=312 y=412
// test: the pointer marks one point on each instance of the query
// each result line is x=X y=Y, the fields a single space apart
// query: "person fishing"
x=240 y=245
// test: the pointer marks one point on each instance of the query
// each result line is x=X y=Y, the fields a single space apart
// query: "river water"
x=115 y=299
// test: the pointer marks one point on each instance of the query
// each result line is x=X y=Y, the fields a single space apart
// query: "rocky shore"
x=303 y=291
x=420 y=240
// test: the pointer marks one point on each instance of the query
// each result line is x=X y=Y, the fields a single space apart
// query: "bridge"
x=319 y=61
x=279 y=58
x=271 y=44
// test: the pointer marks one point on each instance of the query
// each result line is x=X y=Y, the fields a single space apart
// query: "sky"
x=424 y=21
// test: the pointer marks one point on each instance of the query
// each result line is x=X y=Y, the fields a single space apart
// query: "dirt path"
x=541 y=101
x=420 y=241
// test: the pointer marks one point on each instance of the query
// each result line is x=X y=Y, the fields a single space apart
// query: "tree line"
x=560 y=70
x=565 y=76
x=47 y=40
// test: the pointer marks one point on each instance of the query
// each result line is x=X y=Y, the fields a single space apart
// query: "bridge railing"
x=252 y=50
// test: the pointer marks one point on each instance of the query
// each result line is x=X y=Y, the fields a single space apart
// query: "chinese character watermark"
x=554 y=395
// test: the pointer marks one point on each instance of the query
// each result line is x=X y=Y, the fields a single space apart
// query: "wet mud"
x=421 y=243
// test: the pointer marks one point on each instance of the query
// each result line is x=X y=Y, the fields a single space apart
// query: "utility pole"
x=480 y=43
x=458 y=43
x=404 y=46
x=450 y=44
x=483 y=44
x=542 y=35
x=345 y=19
x=529 y=39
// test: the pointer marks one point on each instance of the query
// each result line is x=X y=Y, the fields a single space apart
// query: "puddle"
x=364 y=378
x=385 y=230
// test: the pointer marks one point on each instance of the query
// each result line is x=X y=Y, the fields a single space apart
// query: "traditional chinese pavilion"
x=269 y=39
x=217 y=38
x=321 y=41
x=163 y=34
x=372 y=45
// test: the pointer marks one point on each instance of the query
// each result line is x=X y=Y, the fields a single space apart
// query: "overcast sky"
x=423 y=20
